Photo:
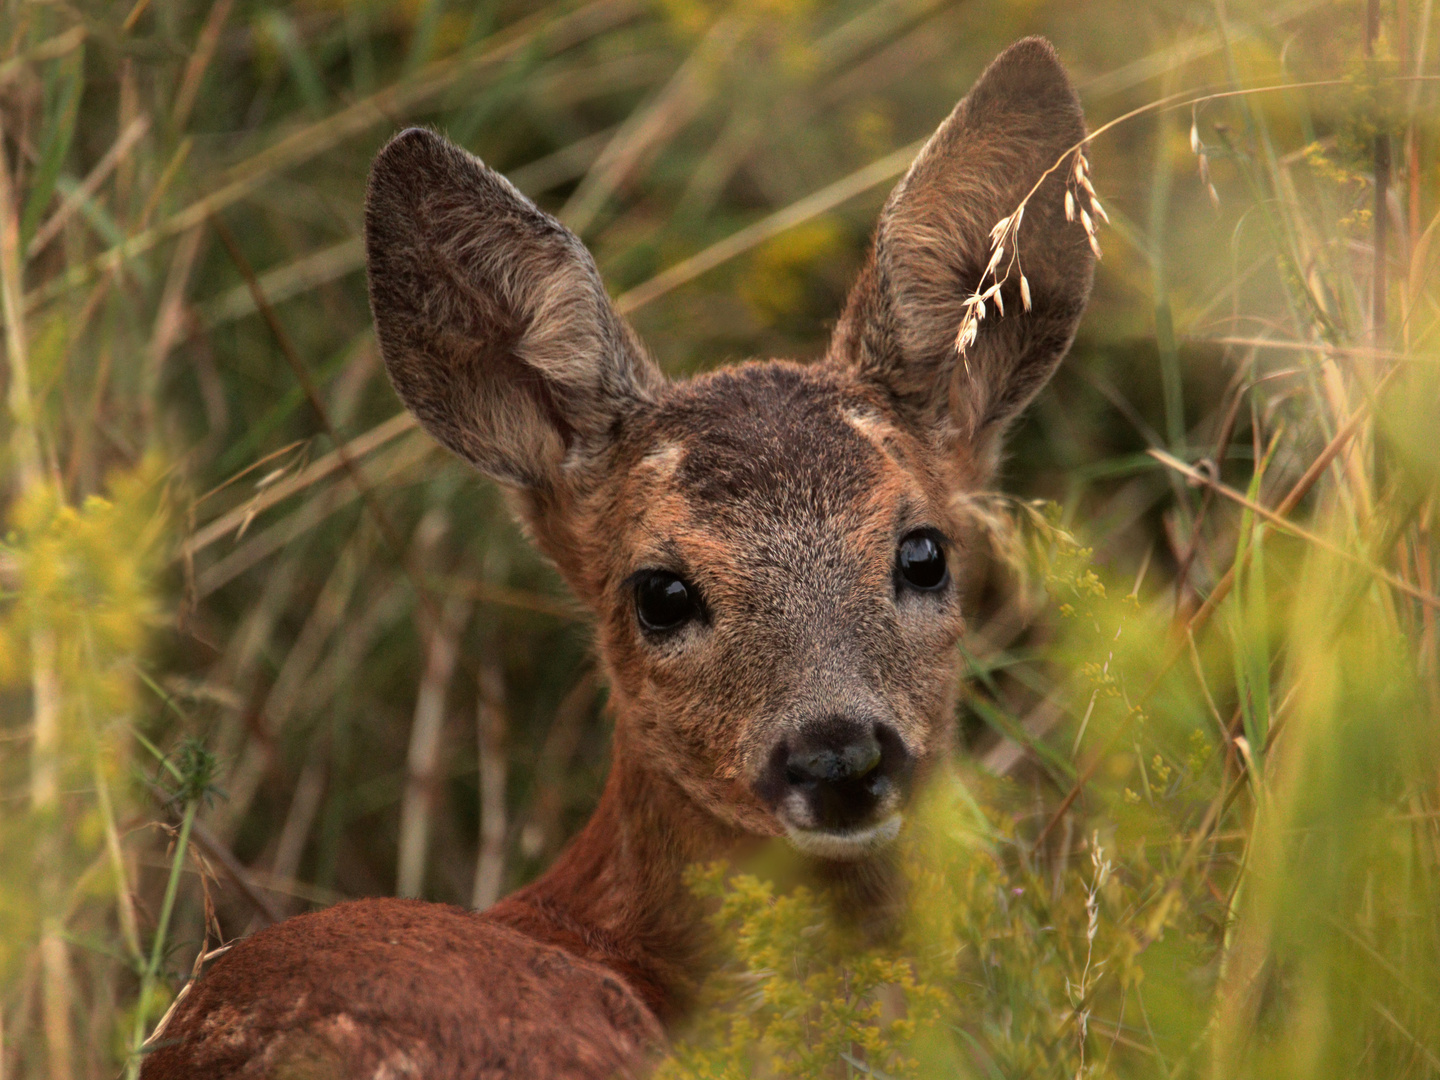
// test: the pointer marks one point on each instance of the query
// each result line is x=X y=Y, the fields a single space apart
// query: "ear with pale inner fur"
x=495 y=328
x=932 y=245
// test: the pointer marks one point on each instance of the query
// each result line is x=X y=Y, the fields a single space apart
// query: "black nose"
x=828 y=764
x=836 y=772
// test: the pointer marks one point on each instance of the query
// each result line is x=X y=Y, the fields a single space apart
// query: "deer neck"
x=617 y=894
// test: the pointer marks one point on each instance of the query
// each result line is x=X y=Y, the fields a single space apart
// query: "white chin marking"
x=844 y=846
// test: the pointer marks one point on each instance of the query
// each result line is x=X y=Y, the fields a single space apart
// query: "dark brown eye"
x=663 y=601
x=920 y=562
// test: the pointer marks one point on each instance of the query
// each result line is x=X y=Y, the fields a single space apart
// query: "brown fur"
x=778 y=491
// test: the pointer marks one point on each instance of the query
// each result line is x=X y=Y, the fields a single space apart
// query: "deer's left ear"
x=933 y=243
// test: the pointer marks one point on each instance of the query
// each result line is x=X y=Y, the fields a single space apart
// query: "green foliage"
x=785 y=1003
x=72 y=631
x=1191 y=931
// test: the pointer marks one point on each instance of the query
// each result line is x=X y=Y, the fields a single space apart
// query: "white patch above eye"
x=664 y=459
x=844 y=846
x=870 y=427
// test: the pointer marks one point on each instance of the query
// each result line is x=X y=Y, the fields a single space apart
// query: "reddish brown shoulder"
x=401 y=988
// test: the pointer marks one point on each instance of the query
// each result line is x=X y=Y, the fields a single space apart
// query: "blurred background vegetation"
x=264 y=647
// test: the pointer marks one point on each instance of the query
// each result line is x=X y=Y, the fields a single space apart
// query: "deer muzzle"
x=837 y=785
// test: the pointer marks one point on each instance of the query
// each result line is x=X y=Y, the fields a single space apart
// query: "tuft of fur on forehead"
x=768 y=436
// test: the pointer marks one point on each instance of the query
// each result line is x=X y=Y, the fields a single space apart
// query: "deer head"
x=771 y=550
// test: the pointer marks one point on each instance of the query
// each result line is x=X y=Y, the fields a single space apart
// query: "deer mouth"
x=845 y=846
x=837 y=787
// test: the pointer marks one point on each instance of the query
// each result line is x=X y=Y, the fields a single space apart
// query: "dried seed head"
x=995 y=257
x=999 y=301
x=999 y=229
x=966 y=337
x=1099 y=210
x=1194 y=138
x=1086 y=221
x=1214 y=195
x=1094 y=244
x=1024 y=292
x=1069 y=205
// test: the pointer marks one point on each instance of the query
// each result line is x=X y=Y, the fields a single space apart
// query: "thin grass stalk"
x=1287 y=526
x=89 y=186
x=315 y=139
x=1161 y=180
x=492 y=730
x=1201 y=617
x=312 y=394
x=300 y=818
x=385 y=469
x=768 y=227
x=169 y=320
x=539 y=837
x=422 y=761
x=355 y=449
x=1382 y=190
x=124 y=902
x=216 y=850
x=648 y=125
x=199 y=62
x=157 y=948
x=46 y=703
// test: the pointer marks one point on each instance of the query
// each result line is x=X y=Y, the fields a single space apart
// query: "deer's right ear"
x=1013 y=137
x=495 y=327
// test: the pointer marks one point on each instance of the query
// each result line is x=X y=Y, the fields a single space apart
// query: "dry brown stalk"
x=198 y=63
x=292 y=279
x=89 y=186
x=648 y=126
x=768 y=227
x=300 y=818
x=271 y=494
x=44 y=682
x=244 y=737
x=50 y=49
x=348 y=256
x=1217 y=596
x=139 y=8
x=1285 y=525
x=540 y=834
x=383 y=107
x=422 y=761
x=169 y=318
x=486 y=592
x=385 y=468
x=217 y=850
x=323 y=619
x=384 y=607
x=1324 y=348
x=493 y=722
x=312 y=394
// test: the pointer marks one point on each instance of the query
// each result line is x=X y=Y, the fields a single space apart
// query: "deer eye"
x=663 y=601
x=920 y=562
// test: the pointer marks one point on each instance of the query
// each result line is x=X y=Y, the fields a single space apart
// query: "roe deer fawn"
x=770 y=553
